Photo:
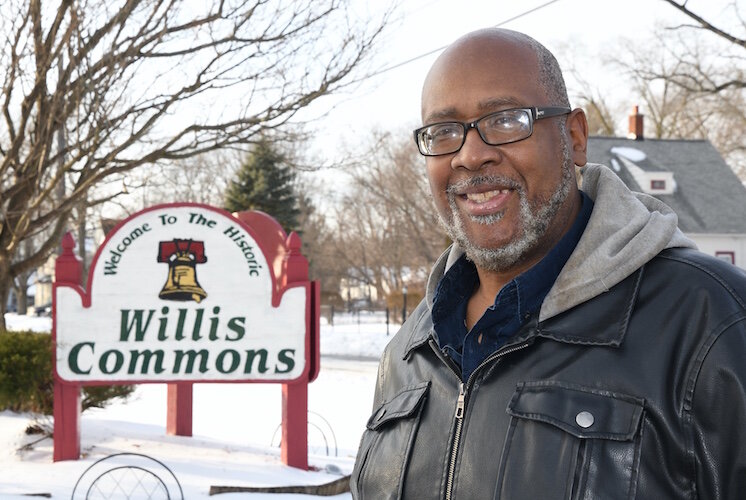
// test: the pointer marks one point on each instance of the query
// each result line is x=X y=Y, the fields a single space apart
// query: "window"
x=727 y=256
x=658 y=185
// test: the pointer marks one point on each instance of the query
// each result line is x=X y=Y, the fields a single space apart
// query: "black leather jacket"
x=638 y=393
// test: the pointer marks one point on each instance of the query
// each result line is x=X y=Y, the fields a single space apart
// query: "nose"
x=475 y=153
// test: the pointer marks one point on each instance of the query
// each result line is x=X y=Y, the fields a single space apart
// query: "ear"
x=577 y=127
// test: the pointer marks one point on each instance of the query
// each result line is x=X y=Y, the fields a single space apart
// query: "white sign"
x=180 y=293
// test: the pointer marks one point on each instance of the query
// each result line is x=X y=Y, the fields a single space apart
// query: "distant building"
x=357 y=292
x=691 y=177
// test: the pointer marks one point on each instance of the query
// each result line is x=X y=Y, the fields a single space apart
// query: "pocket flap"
x=403 y=405
x=581 y=411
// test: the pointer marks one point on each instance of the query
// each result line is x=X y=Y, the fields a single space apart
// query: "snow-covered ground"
x=235 y=426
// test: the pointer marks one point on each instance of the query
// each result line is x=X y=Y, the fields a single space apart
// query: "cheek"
x=540 y=172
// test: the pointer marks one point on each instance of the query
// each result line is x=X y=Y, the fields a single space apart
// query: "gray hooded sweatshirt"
x=626 y=229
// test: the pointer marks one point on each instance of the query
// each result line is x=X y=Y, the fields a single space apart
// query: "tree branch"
x=706 y=24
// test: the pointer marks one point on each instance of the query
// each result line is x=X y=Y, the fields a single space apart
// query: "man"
x=573 y=344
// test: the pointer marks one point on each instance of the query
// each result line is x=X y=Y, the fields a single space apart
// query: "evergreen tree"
x=266 y=182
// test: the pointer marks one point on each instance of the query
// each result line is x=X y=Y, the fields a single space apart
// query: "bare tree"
x=93 y=89
x=199 y=179
x=715 y=75
x=316 y=233
x=691 y=75
x=675 y=108
x=589 y=96
x=394 y=176
x=386 y=226
x=600 y=117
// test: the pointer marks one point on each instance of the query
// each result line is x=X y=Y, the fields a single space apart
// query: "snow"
x=235 y=426
x=18 y=322
x=632 y=154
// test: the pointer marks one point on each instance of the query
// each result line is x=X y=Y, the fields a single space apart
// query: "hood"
x=626 y=230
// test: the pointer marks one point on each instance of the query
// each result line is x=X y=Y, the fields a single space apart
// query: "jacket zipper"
x=456 y=439
x=460 y=406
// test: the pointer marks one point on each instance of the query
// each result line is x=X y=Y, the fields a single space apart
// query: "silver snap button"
x=584 y=419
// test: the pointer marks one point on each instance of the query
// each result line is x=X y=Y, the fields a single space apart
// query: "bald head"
x=495 y=49
x=508 y=203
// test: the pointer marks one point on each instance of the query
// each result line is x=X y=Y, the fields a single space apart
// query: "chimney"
x=635 y=125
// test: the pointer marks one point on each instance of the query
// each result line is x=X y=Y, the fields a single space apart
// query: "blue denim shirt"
x=517 y=301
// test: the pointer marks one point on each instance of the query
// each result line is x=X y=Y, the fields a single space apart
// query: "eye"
x=442 y=137
x=444 y=131
x=504 y=122
x=506 y=126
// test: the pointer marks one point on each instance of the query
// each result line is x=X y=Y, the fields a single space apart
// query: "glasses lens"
x=506 y=126
x=441 y=138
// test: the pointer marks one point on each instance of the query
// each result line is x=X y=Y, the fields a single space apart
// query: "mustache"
x=483 y=180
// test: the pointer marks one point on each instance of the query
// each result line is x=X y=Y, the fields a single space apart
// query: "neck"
x=491 y=282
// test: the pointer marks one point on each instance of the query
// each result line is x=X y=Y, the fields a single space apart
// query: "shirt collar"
x=528 y=289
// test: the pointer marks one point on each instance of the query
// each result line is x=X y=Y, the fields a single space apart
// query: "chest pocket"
x=386 y=445
x=570 y=442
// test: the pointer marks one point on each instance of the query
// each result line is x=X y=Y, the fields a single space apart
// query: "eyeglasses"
x=502 y=127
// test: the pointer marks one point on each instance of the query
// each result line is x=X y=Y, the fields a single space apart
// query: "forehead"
x=480 y=75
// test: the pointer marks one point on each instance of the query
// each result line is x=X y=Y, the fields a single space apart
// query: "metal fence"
x=360 y=315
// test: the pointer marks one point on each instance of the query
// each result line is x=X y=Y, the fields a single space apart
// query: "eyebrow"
x=486 y=106
x=500 y=102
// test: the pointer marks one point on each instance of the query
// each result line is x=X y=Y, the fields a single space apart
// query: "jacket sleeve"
x=718 y=411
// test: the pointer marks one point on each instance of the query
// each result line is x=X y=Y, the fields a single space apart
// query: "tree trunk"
x=21 y=289
x=81 y=239
x=22 y=307
x=4 y=292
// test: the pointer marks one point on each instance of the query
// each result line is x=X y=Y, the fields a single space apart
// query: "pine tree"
x=265 y=182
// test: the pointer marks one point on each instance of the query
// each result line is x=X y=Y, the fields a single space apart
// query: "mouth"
x=480 y=196
x=485 y=196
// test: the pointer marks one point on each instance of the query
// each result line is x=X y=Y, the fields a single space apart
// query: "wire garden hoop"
x=127 y=476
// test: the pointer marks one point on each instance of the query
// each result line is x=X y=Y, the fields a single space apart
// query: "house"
x=689 y=176
x=357 y=291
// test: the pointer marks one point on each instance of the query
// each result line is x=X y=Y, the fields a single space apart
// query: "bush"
x=26 y=382
x=26 y=379
x=98 y=396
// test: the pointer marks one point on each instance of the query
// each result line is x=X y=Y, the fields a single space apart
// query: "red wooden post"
x=294 y=448
x=66 y=421
x=68 y=270
x=179 y=414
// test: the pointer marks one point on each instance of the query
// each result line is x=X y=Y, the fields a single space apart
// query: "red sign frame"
x=288 y=269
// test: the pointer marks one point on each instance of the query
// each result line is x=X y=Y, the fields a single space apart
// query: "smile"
x=483 y=203
x=486 y=196
x=482 y=195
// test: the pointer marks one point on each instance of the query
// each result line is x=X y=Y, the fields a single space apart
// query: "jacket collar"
x=601 y=321
x=421 y=331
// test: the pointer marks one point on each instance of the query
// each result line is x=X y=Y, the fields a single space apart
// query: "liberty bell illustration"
x=182 y=257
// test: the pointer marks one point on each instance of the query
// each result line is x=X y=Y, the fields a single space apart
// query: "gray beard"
x=534 y=219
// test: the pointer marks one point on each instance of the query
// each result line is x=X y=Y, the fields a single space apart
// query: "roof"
x=708 y=198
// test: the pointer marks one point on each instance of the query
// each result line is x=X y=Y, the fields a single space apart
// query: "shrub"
x=26 y=379
x=26 y=382
x=98 y=396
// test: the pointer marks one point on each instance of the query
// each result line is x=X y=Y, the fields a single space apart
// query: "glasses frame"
x=535 y=113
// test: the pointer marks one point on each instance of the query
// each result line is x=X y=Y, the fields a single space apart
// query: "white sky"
x=592 y=27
